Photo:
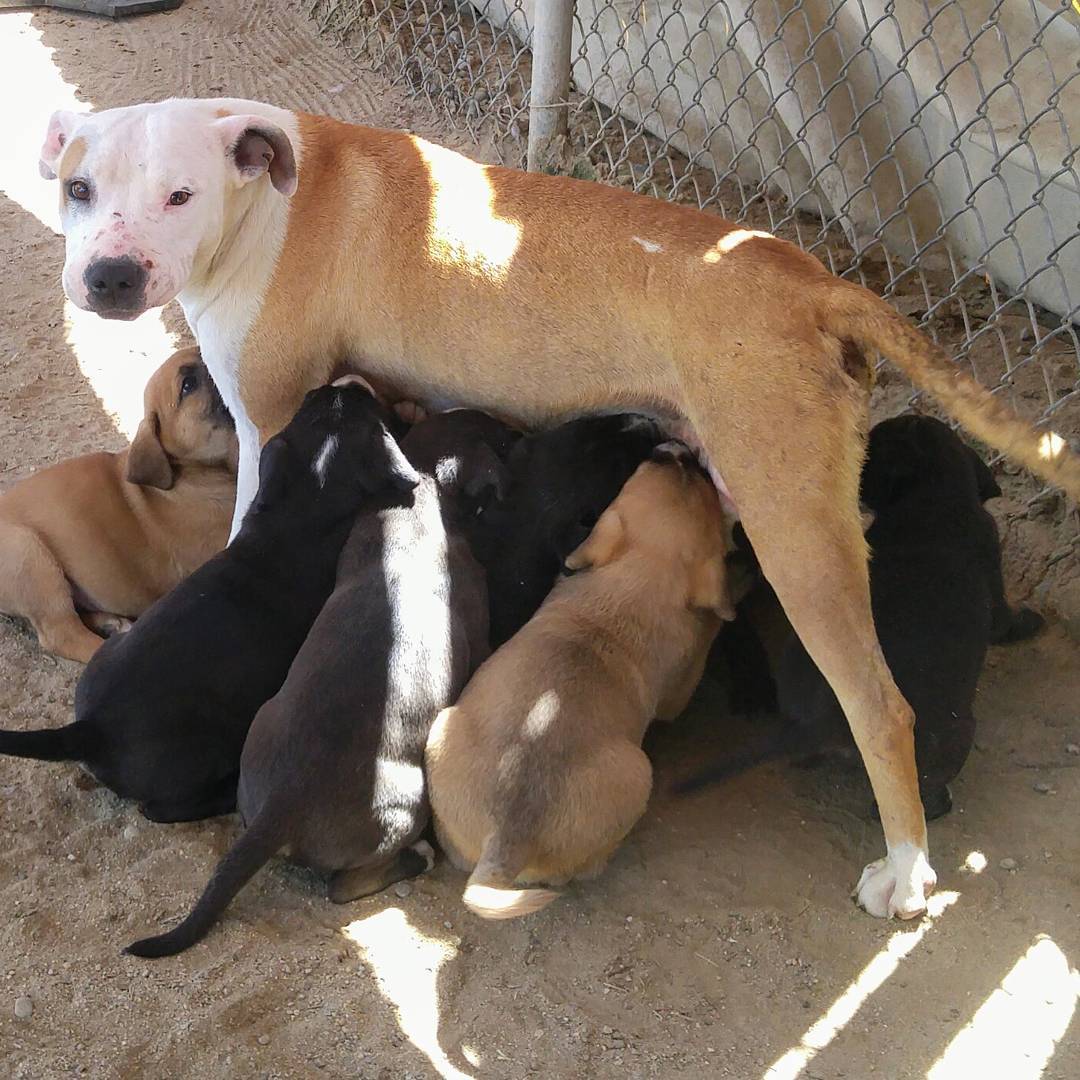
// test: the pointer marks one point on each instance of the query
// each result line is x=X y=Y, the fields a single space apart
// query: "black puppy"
x=938 y=601
x=162 y=711
x=560 y=482
x=333 y=766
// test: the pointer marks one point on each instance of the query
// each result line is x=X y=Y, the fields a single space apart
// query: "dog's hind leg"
x=358 y=881
x=789 y=441
x=33 y=585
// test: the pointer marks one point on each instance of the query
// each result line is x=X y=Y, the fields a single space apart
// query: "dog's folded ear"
x=603 y=545
x=984 y=478
x=148 y=465
x=483 y=476
x=61 y=124
x=257 y=146
x=278 y=464
x=402 y=476
x=709 y=588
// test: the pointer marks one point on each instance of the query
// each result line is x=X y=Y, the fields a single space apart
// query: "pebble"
x=264 y=1040
x=1072 y=748
x=24 y=1008
x=402 y=889
x=1007 y=864
x=130 y=832
x=1042 y=787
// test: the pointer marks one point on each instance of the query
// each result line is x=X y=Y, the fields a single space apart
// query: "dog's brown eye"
x=79 y=189
x=178 y=198
x=188 y=386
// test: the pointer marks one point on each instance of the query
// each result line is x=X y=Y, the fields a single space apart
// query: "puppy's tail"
x=243 y=860
x=72 y=743
x=490 y=892
x=851 y=312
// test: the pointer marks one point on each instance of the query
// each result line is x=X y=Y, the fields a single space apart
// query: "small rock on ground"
x=24 y=1008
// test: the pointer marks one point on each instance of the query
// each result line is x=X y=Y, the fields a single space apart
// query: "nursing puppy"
x=89 y=544
x=161 y=712
x=938 y=600
x=332 y=769
x=537 y=773
x=558 y=484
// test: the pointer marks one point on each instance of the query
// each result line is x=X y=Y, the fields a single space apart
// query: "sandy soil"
x=720 y=943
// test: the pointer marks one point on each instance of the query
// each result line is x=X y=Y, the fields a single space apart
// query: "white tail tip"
x=491 y=903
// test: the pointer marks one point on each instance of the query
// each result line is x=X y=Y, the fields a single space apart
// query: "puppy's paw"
x=412 y=412
x=426 y=852
x=107 y=625
x=896 y=885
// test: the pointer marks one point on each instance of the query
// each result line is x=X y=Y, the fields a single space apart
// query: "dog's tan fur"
x=537 y=773
x=110 y=533
x=538 y=297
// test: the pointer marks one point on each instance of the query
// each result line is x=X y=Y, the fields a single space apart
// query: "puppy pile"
x=454 y=623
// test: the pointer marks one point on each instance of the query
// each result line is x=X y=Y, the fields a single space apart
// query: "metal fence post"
x=551 y=43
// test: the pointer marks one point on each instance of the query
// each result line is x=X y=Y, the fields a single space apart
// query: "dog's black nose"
x=115 y=284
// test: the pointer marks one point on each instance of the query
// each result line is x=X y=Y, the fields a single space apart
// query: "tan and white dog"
x=301 y=247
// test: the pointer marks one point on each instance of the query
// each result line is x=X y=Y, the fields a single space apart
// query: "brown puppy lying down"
x=537 y=773
x=92 y=542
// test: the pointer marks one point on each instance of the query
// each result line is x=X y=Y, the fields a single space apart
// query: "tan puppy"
x=295 y=243
x=537 y=773
x=94 y=541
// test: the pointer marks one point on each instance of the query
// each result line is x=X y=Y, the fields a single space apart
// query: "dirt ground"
x=721 y=942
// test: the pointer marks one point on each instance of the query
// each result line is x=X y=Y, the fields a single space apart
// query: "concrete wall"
x=814 y=130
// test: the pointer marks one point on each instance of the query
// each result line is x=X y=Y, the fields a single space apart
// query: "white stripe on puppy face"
x=323 y=459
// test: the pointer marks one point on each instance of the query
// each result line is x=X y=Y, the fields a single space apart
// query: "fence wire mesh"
x=926 y=148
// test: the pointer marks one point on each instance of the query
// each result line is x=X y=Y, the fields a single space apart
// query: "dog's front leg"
x=247 y=473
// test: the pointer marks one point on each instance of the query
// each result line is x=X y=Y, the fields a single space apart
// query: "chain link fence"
x=927 y=148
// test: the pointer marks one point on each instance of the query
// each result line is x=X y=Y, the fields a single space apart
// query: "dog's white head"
x=147 y=192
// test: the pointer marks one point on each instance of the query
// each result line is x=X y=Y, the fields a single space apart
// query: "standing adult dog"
x=292 y=239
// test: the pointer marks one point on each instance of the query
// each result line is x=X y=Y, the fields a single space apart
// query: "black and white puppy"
x=938 y=600
x=333 y=765
x=161 y=712
x=560 y=482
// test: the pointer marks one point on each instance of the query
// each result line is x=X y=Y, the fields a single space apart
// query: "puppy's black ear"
x=402 y=476
x=147 y=463
x=893 y=466
x=482 y=475
x=277 y=464
x=984 y=478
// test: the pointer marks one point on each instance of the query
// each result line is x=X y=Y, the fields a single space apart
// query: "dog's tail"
x=240 y=864
x=490 y=892
x=851 y=312
x=72 y=743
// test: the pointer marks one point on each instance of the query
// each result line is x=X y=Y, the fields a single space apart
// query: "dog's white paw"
x=426 y=852
x=898 y=884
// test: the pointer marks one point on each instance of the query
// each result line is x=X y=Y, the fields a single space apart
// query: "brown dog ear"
x=602 y=545
x=148 y=464
x=709 y=588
